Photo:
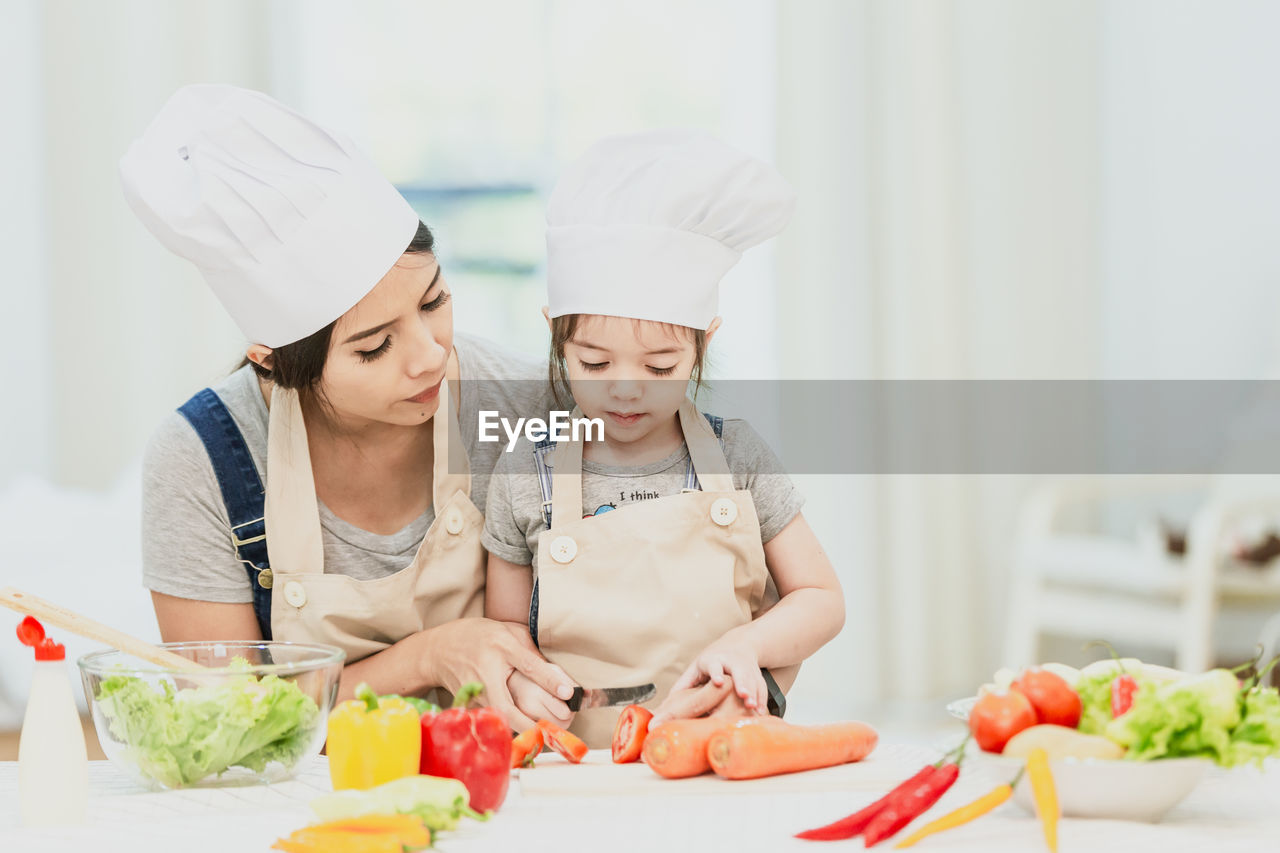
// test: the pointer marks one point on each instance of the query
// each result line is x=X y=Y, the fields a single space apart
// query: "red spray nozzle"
x=31 y=633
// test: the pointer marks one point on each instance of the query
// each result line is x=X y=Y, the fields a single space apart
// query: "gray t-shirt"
x=186 y=535
x=513 y=514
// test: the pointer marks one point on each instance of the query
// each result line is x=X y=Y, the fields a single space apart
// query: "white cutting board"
x=597 y=775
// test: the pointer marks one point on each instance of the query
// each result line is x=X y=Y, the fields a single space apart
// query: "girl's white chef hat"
x=289 y=223
x=644 y=225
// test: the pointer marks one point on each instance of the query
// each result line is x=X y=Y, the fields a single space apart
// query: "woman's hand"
x=734 y=658
x=533 y=704
x=489 y=652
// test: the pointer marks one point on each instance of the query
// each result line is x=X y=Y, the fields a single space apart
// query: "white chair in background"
x=1094 y=586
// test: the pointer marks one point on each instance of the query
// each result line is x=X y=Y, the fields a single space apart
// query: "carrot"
x=678 y=748
x=749 y=752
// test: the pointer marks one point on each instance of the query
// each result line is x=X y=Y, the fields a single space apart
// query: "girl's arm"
x=810 y=613
x=508 y=588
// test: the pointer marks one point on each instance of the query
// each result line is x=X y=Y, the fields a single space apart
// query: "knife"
x=605 y=697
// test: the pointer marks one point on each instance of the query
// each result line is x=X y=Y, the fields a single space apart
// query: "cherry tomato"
x=629 y=735
x=998 y=716
x=1054 y=701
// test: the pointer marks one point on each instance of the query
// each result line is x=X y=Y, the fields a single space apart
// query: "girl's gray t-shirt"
x=514 y=519
x=186 y=534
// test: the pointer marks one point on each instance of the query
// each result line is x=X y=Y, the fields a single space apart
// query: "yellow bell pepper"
x=373 y=740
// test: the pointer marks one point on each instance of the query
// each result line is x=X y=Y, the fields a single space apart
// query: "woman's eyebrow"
x=378 y=328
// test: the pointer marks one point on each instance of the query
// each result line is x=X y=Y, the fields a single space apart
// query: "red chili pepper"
x=473 y=747
x=566 y=743
x=525 y=747
x=910 y=804
x=1122 y=690
x=629 y=734
x=848 y=827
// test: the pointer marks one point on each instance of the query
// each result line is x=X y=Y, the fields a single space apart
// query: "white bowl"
x=1099 y=788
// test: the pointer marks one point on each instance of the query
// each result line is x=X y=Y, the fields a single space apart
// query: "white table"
x=1236 y=811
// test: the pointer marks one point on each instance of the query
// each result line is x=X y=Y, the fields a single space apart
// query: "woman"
x=312 y=495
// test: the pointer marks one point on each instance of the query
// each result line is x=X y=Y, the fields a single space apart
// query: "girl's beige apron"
x=632 y=596
x=445 y=581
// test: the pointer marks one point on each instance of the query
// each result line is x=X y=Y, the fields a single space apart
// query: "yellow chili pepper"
x=962 y=815
x=1045 y=794
x=372 y=741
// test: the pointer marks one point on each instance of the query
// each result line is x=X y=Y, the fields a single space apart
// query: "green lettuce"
x=1205 y=715
x=178 y=737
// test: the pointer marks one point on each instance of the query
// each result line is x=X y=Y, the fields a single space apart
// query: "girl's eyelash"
x=663 y=371
x=592 y=367
x=380 y=350
x=437 y=302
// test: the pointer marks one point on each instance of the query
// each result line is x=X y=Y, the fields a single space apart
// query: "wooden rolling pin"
x=83 y=626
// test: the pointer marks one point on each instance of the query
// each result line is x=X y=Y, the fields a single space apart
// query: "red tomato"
x=1054 y=700
x=998 y=716
x=628 y=737
x=567 y=744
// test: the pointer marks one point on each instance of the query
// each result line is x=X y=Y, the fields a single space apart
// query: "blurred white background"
x=988 y=189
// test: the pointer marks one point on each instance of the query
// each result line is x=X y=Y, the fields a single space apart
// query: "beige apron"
x=444 y=582
x=632 y=596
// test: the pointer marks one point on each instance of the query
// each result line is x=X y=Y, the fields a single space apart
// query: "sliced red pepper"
x=910 y=804
x=848 y=827
x=1122 y=690
x=525 y=747
x=566 y=743
x=629 y=734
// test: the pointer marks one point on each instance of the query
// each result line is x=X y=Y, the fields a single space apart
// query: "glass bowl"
x=1113 y=789
x=260 y=710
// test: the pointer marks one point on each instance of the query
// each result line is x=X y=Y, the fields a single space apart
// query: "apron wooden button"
x=724 y=511
x=563 y=549
x=295 y=594
x=453 y=523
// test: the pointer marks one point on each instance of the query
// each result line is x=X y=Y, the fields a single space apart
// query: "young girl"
x=673 y=551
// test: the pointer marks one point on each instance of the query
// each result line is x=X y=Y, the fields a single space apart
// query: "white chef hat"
x=289 y=223
x=644 y=225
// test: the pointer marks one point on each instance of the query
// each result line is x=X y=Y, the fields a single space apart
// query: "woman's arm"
x=448 y=655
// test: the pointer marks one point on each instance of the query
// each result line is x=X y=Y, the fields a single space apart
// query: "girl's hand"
x=532 y=703
x=730 y=657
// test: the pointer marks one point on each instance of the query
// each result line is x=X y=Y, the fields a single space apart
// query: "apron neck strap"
x=704 y=450
x=451 y=469
x=293 y=516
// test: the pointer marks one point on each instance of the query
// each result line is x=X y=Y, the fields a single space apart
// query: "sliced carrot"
x=749 y=752
x=307 y=841
x=566 y=743
x=525 y=747
x=408 y=828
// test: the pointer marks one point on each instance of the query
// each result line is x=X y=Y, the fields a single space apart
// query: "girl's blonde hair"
x=564 y=327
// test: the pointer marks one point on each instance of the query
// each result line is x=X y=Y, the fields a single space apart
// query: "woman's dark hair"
x=300 y=364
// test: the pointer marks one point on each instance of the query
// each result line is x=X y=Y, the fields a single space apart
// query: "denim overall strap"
x=242 y=493
x=540 y=452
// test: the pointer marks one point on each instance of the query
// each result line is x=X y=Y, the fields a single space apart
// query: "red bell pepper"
x=629 y=735
x=473 y=747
